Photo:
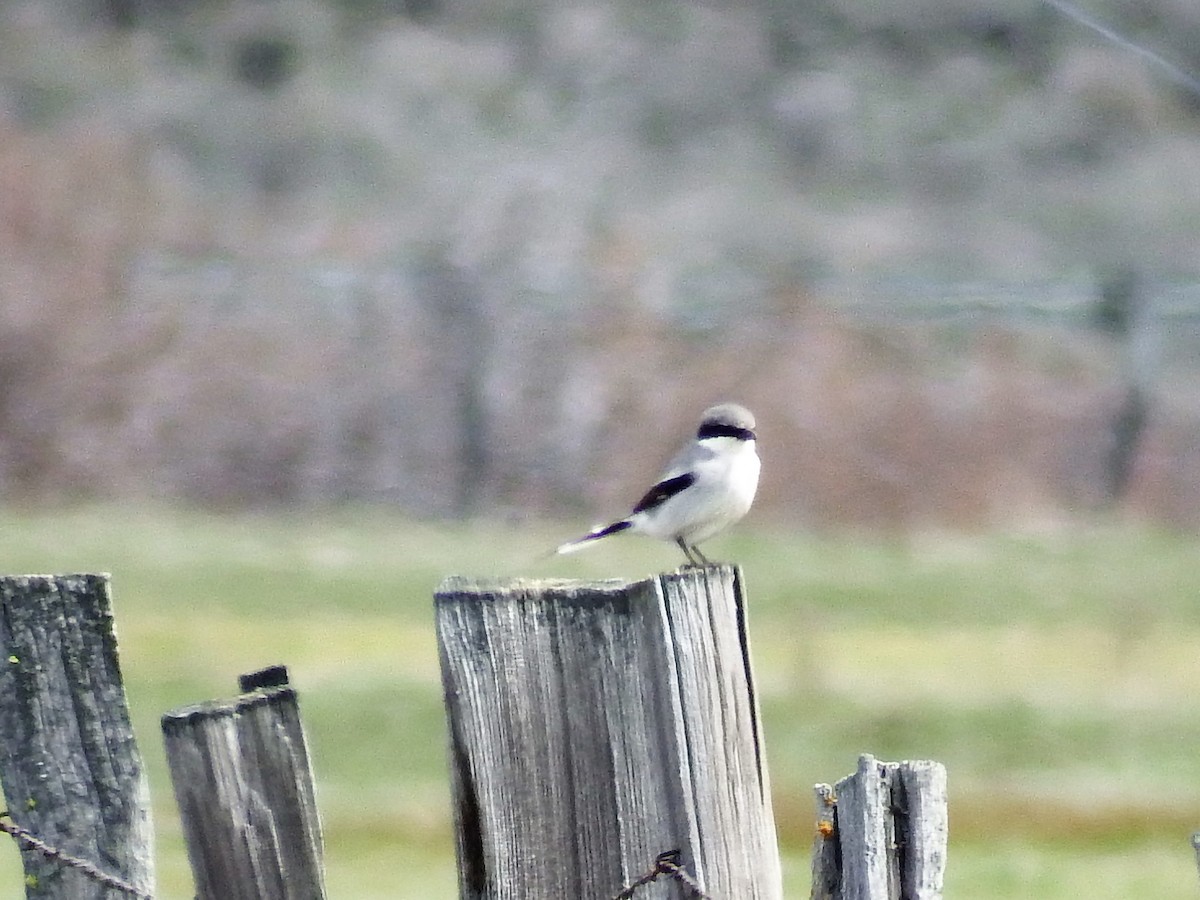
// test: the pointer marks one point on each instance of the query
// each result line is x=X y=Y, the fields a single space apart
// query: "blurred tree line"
x=492 y=257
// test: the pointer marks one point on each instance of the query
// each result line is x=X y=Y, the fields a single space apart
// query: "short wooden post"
x=244 y=786
x=596 y=725
x=69 y=765
x=881 y=833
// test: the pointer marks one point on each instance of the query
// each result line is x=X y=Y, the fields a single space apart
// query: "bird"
x=706 y=487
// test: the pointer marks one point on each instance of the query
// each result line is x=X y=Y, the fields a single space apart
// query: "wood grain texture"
x=882 y=833
x=69 y=765
x=867 y=833
x=1196 y=847
x=826 y=852
x=243 y=783
x=923 y=816
x=594 y=725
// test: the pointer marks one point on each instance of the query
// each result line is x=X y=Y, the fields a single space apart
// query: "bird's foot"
x=695 y=559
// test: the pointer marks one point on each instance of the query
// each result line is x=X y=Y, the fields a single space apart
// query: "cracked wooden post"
x=244 y=787
x=881 y=833
x=1196 y=847
x=69 y=765
x=595 y=725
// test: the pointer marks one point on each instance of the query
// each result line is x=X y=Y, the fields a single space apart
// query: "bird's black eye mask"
x=719 y=429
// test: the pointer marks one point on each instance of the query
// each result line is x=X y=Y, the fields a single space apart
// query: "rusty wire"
x=666 y=864
x=29 y=841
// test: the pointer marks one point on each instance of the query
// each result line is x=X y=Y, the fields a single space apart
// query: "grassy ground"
x=1054 y=674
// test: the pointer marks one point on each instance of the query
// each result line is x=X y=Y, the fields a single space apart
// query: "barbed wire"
x=28 y=840
x=666 y=864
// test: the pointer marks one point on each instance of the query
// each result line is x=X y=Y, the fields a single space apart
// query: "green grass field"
x=1054 y=674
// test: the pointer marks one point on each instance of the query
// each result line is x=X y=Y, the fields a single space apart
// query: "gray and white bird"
x=708 y=486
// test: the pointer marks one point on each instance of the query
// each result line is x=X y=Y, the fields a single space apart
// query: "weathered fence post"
x=596 y=725
x=244 y=786
x=881 y=833
x=69 y=764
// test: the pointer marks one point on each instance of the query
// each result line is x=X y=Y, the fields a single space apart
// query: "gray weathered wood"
x=881 y=833
x=922 y=814
x=867 y=833
x=826 y=870
x=69 y=765
x=242 y=779
x=595 y=725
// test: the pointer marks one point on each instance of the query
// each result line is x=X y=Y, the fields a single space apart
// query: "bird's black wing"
x=664 y=490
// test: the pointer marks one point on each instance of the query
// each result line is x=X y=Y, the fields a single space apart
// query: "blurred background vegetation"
x=451 y=255
x=307 y=303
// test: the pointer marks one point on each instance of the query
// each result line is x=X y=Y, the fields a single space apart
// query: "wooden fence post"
x=69 y=764
x=244 y=787
x=596 y=725
x=881 y=833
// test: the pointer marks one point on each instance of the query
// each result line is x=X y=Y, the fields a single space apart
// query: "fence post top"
x=484 y=584
x=867 y=763
x=459 y=584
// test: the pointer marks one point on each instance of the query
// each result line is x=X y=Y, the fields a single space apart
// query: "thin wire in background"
x=1176 y=74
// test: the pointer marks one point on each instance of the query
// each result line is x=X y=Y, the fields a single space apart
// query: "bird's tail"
x=580 y=543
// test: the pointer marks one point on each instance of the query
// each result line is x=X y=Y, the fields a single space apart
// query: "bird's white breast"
x=726 y=473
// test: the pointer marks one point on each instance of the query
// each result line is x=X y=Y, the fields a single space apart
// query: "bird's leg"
x=687 y=551
x=704 y=561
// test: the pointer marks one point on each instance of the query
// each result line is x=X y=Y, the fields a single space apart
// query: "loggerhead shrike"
x=708 y=486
